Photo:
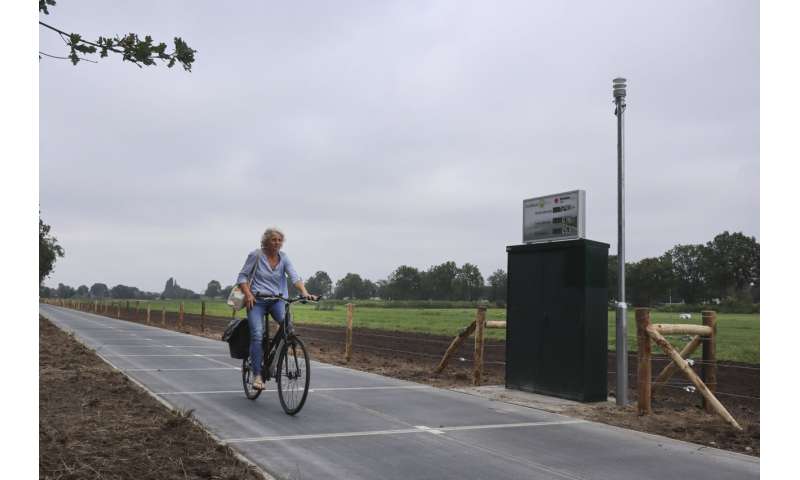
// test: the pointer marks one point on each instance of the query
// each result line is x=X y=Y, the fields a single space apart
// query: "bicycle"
x=285 y=359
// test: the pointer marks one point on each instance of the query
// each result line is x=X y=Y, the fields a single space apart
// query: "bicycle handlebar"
x=299 y=298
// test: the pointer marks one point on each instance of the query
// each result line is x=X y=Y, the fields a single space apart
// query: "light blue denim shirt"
x=267 y=280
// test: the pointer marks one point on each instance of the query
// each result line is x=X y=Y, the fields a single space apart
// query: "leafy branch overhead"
x=141 y=52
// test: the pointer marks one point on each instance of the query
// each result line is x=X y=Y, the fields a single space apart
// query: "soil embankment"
x=95 y=423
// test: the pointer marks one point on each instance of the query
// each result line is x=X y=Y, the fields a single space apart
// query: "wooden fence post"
x=163 y=315
x=463 y=334
x=348 y=343
x=203 y=316
x=119 y=307
x=148 y=313
x=644 y=373
x=480 y=322
x=709 y=367
x=180 y=317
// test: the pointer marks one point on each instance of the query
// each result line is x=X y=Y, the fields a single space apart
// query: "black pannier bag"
x=237 y=334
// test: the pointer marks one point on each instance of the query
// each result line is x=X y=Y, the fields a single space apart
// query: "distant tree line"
x=97 y=291
x=445 y=281
x=726 y=268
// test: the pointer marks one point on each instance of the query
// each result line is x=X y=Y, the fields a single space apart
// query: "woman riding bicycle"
x=267 y=269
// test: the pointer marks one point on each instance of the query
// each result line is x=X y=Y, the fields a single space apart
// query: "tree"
x=613 y=278
x=437 y=282
x=381 y=289
x=214 y=289
x=65 y=291
x=98 y=290
x=124 y=291
x=132 y=49
x=82 y=291
x=169 y=289
x=369 y=289
x=732 y=263
x=649 y=280
x=498 y=285
x=319 y=284
x=468 y=284
x=689 y=272
x=351 y=286
x=225 y=292
x=173 y=290
x=404 y=284
x=49 y=251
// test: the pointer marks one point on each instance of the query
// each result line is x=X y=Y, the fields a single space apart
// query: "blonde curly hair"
x=270 y=232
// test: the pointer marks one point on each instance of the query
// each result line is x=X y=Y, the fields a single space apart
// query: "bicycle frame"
x=271 y=349
x=276 y=356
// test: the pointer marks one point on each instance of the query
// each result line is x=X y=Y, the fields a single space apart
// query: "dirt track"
x=677 y=412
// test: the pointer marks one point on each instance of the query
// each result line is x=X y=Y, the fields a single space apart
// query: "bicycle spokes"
x=293 y=376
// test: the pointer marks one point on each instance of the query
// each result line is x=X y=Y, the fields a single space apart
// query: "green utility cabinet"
x=557 y=319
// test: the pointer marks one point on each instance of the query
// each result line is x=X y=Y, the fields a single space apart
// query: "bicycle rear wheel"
x=293 y=375
x=247 y=380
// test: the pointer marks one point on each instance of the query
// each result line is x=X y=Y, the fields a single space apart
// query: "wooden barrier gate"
x=705 y=334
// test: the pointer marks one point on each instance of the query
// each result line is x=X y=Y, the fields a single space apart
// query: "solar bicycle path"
x=359 y=425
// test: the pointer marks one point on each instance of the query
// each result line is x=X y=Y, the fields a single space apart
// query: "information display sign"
x=554 y=217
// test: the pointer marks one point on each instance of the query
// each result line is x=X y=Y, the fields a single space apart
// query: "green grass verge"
x=737 y=334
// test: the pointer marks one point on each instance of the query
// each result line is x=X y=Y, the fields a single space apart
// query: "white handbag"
x=236 y=297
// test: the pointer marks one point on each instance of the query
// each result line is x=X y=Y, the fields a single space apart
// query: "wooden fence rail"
x=705 y=335
x=476 y=326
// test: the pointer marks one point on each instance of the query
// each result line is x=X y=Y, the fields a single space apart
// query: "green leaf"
x=43 y=5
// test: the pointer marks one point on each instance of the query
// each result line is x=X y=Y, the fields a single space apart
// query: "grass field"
x=737 y=334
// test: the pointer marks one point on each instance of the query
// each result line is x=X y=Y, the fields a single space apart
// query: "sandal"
x=258 y=383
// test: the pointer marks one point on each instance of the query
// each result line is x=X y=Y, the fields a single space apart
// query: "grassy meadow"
x=737 y=334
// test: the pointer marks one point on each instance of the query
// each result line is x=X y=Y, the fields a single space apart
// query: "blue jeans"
x=255 y=317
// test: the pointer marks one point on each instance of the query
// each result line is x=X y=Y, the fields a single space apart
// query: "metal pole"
x=621 y=319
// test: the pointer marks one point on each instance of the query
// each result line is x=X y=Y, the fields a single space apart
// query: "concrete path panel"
x=359 y=425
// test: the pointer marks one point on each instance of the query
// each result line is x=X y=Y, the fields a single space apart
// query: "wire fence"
x=366 y=340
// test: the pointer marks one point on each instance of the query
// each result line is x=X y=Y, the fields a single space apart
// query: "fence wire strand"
x=219 y=321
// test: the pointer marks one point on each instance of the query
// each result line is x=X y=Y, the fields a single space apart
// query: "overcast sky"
x=385 y=133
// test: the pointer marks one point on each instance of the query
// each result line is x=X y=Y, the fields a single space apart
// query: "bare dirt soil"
x=95 y=423
x=677 y=413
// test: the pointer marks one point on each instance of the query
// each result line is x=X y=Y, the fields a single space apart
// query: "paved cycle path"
x=358 y=425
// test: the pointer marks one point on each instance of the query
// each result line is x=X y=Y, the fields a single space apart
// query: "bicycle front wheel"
x=293 y=375
x=247 y=380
